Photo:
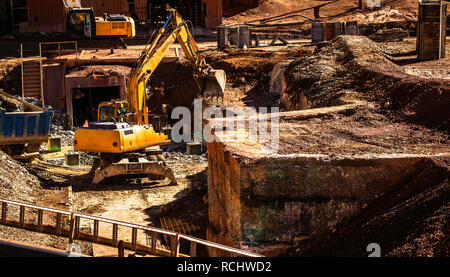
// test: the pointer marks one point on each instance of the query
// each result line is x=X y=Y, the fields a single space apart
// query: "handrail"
x=58 y=43
x=74 y=232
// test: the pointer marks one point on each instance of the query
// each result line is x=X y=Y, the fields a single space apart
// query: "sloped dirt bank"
x=358 y=64
x=412 y=220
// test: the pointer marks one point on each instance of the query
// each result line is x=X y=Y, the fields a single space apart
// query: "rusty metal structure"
x=431 y=30
x=29 y=16
x=72 y=231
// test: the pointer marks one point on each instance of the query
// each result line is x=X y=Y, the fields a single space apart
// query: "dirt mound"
x=324 y=78
x=387 y=14
x=412 y=220
x=248 y=73
x=16 y=183
x=357 y=64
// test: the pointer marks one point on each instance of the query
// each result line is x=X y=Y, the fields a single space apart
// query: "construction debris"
x=394 y=34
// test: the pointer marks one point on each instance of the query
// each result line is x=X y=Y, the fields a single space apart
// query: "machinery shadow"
x=115 y=185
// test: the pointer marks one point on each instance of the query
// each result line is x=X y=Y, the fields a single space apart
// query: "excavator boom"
x=211 y=82
x=131 y=147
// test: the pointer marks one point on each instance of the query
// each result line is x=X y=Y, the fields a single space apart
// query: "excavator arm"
x=211 y=82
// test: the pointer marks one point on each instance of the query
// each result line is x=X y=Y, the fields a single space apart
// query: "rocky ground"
x=406 y=106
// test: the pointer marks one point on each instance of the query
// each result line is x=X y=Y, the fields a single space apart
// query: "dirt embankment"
x=413 y=220
x=285 y=10
x=359 y=65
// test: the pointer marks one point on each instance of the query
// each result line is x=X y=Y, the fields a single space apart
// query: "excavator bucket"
x=214 y=84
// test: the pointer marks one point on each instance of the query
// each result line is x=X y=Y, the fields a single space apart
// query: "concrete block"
x=318 y=32
x=72 y=159
x=194 y=148
x=54 y=144
x=222 y=37
x=351 y=28
x=244 y=36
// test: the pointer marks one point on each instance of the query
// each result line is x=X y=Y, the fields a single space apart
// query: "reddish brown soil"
x=285 y=10
x=356 y=63
x=412 y=220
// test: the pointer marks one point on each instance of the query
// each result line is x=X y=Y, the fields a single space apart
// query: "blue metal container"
x=24 y=127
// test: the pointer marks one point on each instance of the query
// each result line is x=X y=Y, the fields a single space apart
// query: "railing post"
x=41 y=77
x=4 y=211
x=213 y=251
x=175 y=245
x=96 y=230
x=134 y=238
x=72 y=228
x=114 y=234
x=21 y=69
x=22 y=216
x=154 y=242
x=121 y=249
x=77 y=227
x=193 y=250
x=58 y=223
x=40 y=220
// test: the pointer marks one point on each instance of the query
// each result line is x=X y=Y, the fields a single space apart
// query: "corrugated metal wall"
x=117 y=7
x=107 y=6
x=51 y=17
x=213 y=13
x=44 y=19
x=140 y=8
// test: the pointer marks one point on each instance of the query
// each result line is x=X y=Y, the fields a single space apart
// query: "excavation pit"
x=331 y=164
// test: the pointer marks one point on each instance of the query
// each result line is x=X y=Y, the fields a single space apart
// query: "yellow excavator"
x=81 y=22
x=127 y=143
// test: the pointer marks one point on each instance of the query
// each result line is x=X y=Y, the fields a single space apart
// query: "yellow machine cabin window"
x=106 y=114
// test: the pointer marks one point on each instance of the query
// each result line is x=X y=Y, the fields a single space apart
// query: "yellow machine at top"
x=82 y=22
x=122 y=135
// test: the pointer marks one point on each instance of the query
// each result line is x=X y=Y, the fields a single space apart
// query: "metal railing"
x=74 y=232
x=60 y=51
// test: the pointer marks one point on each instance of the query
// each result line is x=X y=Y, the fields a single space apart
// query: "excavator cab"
x=81 y=22
x=113 y=111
